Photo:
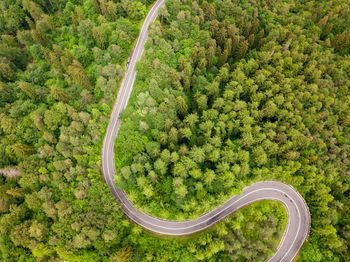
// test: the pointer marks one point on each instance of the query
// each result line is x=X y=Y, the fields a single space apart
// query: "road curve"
x=299 y=219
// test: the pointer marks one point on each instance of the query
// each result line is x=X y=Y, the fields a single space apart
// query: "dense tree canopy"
x=233 y=92
x=227 y=93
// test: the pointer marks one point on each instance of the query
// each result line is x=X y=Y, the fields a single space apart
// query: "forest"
x=227 y=93
x=233 y=92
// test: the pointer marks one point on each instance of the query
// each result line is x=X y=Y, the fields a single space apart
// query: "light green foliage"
x=227 y=93
x=52 y=117
x=124 y=254
x=247 y=92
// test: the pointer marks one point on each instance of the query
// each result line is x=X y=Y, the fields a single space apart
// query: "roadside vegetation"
x=60 y=67
x=61 y=62
x=233 y=92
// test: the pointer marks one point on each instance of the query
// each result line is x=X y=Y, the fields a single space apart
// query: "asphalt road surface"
x=299 y=219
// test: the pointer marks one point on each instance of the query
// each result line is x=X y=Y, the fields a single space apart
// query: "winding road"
x=299 y=219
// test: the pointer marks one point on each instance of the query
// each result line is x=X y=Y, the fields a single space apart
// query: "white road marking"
x=121 y=102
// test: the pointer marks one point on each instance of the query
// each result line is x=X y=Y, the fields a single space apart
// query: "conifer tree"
x=78 y=74
x=28 y=89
